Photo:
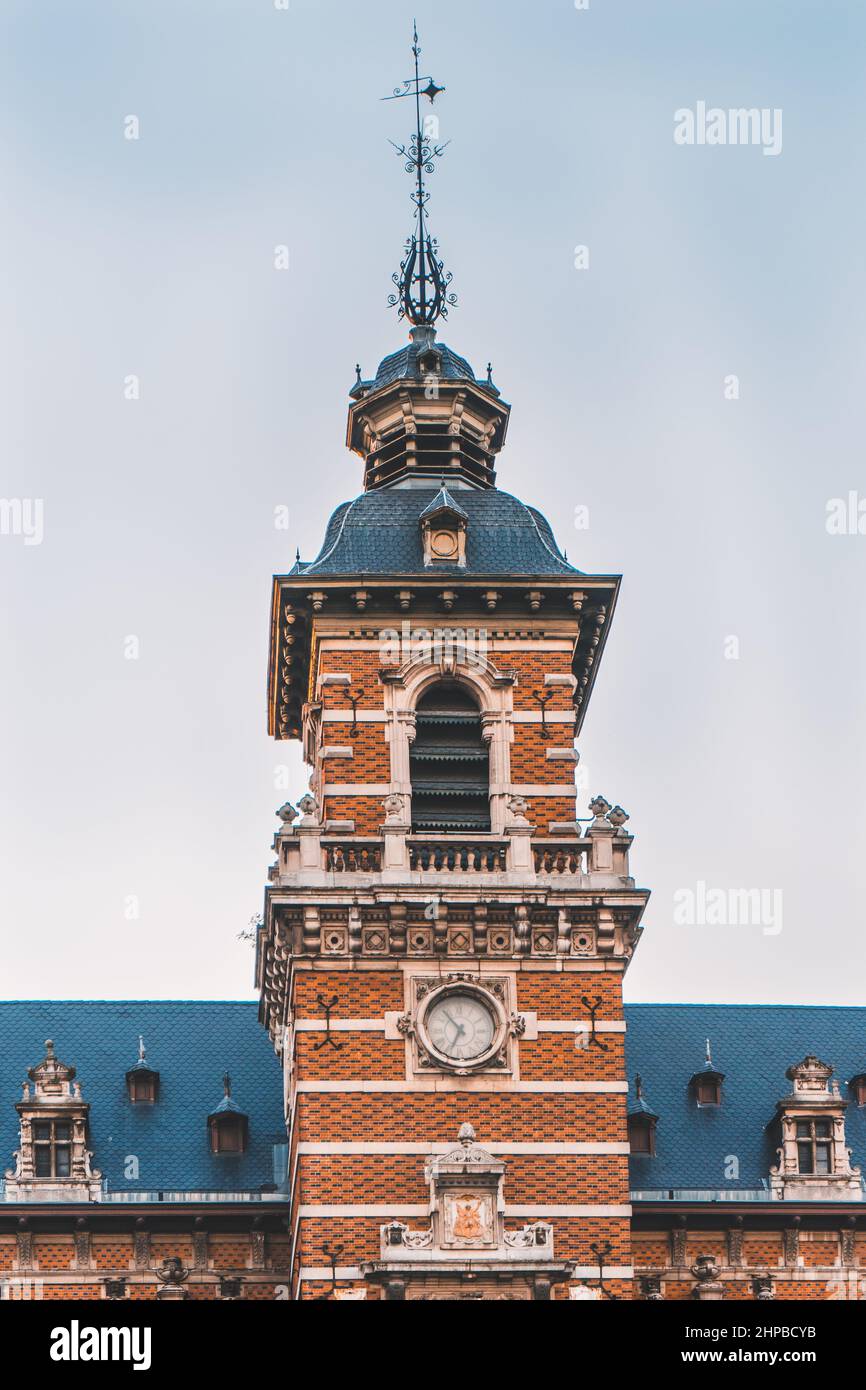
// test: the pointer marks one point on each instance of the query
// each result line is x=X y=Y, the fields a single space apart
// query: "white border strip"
x=379 y=1025
x=492 y=1083
x=348 y=1272
x=347 y=1212
x=372 y=1147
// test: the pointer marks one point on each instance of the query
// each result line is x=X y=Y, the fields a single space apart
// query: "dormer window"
x=443 y=531
x=642 y=1135
x=708 y=1091
x=53 y=1161
x=142 y=1088
x=857 y=1087
x=52 y=1148
x=814 y=1161
x=142 y=1082
x=642 y=1122
x=706 y=1084
x=815 y=1146
x=228 y=1125
x=430 y=363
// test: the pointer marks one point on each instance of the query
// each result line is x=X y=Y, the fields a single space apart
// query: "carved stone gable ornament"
x=467 y=1233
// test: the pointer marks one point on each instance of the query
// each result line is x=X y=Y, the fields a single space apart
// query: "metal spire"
x=422 y=281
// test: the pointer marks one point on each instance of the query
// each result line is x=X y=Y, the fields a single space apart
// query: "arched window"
x=450 y=778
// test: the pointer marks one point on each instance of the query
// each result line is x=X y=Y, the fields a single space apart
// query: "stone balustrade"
x=308 y=855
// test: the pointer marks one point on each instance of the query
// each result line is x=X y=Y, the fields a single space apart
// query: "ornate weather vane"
x=422 y=281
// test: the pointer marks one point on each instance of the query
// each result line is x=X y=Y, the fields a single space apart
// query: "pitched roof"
x=753 y=1045
x=380 y=533
x=443 y=501
x=191 y=1045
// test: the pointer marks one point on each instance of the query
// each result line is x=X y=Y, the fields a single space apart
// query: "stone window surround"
x=493 y=692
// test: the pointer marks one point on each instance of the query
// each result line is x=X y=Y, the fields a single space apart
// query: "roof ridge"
x=163 y=1003
x=666 y=1004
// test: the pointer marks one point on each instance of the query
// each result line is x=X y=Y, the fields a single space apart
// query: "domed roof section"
x=422 y=356
x=380 y=533
x=404 y=365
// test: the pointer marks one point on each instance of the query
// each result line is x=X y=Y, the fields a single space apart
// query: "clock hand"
x=459 y=1026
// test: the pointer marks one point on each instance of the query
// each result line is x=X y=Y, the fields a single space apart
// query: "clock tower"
x=445 y=936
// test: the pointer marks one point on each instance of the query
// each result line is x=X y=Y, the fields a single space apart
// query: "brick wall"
x=502 y=1115
x=371 y=760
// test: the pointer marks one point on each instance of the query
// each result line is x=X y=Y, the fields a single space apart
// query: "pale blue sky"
x=155 y=778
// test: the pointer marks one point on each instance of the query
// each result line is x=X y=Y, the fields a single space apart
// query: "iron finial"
x=423 y=295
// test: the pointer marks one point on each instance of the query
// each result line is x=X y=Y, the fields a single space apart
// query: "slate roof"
x=380 y=533
x=191 y=1045
x=753 y=1045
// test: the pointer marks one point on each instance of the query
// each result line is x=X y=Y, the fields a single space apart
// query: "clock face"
x=461 y=1027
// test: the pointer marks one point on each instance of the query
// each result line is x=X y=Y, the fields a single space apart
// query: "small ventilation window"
x=142 y=1080
x=706 y=1084
x=430 y=364
x=228 y=1135
x=857 y=1087
x=708 y=1090
x=450 y=764
x=642 y=1134
x=228 y=1125
x=642 y=1121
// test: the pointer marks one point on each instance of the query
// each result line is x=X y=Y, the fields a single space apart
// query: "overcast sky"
x=147 y=786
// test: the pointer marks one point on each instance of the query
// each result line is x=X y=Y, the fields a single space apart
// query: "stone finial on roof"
x=640 y=1106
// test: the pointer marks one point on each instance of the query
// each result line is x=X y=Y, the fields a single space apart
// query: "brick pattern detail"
x=412 y=1118
x=52 y=1254
x=358 y=996
x=364 y=669
x=229 y=1254
x=111 y=1254
x=763 y=1254
x=560 y=996
x=365 y=811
